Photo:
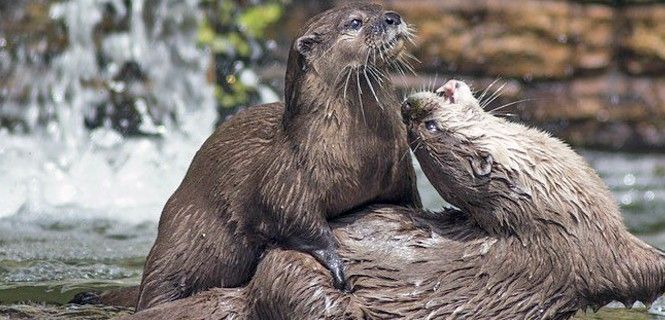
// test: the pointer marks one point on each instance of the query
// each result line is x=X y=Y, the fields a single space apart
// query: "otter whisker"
x=397 y=67
x=432 y=84
x=374 y=73
x=340 y=73
x=509 y=104
x=505 y=115
x=418 y=142
x=377 y=74
x=480 y=99
x=346 y=83
x=400 y=60
x=410 y=37
x=360 y=98
x=493 y=97
x=412 y=57
x=420 y=145
x=371 y=87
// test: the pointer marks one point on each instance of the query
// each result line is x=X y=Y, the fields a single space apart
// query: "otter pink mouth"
x=447 y=91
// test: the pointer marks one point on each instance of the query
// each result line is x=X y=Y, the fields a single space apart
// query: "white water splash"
x=60 y=168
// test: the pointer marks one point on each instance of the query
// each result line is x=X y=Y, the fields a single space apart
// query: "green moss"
x=255 y=20
x=236 y=35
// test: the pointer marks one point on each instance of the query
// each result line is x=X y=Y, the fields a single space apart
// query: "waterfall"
x=108 y=126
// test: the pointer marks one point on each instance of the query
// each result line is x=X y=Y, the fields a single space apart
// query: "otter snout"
x=416 y=106
x=391 y=21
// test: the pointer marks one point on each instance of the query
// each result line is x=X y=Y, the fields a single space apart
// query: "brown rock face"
x=643 y=40
x=530 y=39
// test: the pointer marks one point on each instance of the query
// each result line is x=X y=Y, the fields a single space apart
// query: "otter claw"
x=332 y=261
x=339 y=280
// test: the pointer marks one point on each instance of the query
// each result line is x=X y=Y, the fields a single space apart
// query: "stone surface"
x=642 y=41
x=529 y=39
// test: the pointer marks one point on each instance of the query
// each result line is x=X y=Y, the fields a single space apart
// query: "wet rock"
x=530 y=39
x=643 y=39
x=37 y=311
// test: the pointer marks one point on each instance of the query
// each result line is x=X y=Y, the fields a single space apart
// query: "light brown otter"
x=273 y=174
x=524 y=187
x=551 y=242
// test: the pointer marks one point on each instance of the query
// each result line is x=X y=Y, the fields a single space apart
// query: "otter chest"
x=357 y=174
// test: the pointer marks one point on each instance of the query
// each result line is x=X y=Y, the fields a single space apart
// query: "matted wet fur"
x=411 y=264
x=549 y=241
x=273 y=174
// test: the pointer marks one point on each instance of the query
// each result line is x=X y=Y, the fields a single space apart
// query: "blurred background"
x=104 y=102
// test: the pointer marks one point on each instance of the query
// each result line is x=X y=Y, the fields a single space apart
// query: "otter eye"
x=355 y=24
x=431 y=126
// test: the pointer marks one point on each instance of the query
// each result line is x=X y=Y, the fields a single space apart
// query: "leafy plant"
x=235 y=32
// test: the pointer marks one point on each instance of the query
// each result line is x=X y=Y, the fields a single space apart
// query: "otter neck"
x=357 y=104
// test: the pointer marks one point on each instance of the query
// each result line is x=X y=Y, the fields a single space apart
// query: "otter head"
x=511 y=179
x=442 y=127
x=451 y=136
x=354 y=36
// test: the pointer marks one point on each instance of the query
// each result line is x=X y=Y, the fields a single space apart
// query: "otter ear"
x=305 y=44
x=482 y=165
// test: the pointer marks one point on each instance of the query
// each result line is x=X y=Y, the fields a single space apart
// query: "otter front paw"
x=331 y=260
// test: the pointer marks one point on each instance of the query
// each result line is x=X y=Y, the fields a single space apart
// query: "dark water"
x=49 y=258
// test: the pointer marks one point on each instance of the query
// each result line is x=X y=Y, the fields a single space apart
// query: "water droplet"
x=649 y=195
x=629 y=179
x=627 y=200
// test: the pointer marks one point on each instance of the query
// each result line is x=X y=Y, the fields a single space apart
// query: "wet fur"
x=273 y=174
x=411 y=264
x=522 y=185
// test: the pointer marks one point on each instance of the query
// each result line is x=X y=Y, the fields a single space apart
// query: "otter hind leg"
x=179 y=269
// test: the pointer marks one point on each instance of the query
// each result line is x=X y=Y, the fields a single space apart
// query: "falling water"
x=53 y=164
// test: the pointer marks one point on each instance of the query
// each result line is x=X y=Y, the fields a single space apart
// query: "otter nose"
x=393 y=19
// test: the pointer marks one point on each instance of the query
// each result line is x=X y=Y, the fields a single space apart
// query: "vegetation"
x=235 y=32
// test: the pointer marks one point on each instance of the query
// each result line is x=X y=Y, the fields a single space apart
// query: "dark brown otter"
x=409 y=264
x=273 y=174
x=551 y=242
